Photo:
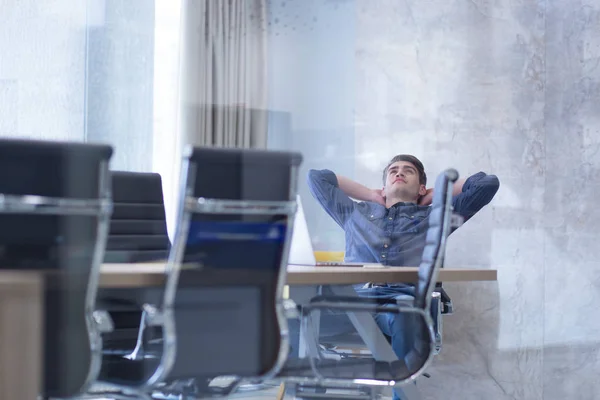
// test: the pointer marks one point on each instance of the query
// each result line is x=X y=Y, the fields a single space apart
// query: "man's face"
x=402 y=181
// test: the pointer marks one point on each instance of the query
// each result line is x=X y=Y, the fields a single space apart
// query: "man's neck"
x=390 y=202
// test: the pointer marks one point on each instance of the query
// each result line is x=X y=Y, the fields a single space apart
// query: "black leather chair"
x=228 y=305
x=221 y=310
x=138 y=226
x=320 y=371
x=138 y=233
x=54 y=211
x=441 y=305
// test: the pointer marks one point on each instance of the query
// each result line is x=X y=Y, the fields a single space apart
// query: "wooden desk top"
x=310 y=275
x=14 y=279
x=152 y=274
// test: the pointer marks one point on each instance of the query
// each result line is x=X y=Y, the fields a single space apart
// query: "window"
x=98 y=71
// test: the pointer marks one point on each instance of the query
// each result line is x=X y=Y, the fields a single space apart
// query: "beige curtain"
x=223 y=73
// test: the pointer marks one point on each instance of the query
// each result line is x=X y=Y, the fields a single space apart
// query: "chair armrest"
x=103 y=321
x=291 y=310
x=437 y=306
x=447 y=307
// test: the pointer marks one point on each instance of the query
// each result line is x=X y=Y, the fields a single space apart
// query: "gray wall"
x=571 y=256
x=42 y=69
x=510 y=88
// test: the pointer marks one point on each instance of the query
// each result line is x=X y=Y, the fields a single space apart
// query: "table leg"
x=21 y=334
x=302 y=295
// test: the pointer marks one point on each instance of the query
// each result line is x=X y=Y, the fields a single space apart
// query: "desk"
x=152 y=274
x=310 y=275
x=21 y=294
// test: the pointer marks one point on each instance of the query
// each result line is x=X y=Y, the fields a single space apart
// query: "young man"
x=389 y=226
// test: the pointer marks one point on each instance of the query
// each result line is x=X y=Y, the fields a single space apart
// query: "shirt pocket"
x=376 y=216
x=412 y=223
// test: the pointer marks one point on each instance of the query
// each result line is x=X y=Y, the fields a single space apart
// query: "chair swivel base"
x=306 y=391
x=194 y=388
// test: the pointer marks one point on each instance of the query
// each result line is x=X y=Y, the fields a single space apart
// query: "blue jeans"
x=400 y=327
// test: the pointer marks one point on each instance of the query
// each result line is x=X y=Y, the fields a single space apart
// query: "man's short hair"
x=411 y=159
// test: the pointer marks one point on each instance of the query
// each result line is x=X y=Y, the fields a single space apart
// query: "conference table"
x=21 y=306
x=152 y=274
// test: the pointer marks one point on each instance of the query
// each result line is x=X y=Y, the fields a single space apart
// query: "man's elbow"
x=493 y=183
x=314 y=176
x=324 y=176
x=488 y=187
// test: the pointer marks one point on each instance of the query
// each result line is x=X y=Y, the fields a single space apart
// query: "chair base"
x=304 y=391
x=193 y=389
x=253 y=387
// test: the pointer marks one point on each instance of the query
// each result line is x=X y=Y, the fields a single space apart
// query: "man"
x=389 y=226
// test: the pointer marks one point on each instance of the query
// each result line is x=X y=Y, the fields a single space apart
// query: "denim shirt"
x=394 y=236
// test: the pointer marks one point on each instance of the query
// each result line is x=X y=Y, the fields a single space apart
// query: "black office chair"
x=138 y=225
x=325 y=371
x=54 y=211
x=441 y=305
x=235 y=236
x=138 y=233
x=221 y=310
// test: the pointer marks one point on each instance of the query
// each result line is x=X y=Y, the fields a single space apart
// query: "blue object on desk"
x=258 y=244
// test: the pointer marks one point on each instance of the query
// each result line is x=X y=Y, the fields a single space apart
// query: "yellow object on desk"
x=329 y=256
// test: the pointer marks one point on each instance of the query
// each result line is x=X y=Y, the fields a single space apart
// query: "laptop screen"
x=301 y=250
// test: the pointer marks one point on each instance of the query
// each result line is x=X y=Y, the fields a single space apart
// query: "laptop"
x=301 y=249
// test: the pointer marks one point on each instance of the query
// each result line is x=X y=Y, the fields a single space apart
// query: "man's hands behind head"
x=427 y=198
x=377 y=196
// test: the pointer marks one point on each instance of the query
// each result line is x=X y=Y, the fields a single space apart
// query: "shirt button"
x=383 y=256
x=390 y=218
x=372 y=216
x=385 y=245
x=412 y=216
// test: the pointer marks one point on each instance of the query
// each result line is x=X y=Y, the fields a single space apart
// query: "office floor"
x=270 y=393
